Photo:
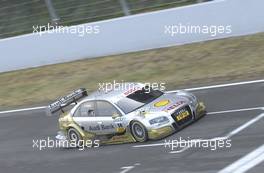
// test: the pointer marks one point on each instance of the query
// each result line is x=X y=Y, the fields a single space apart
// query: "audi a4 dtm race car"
x=125 y=115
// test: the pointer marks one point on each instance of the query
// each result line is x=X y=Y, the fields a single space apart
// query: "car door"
x=84 y=116
x=96 y=117
x=105 y=113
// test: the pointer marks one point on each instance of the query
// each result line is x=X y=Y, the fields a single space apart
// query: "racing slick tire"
x=138 y=131
x=74 y=137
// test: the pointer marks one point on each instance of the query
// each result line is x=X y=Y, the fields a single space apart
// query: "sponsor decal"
x=94 y=128
x=132 y=90
x=107 y=127
x=101 y=127
x=66 y=98
x=162 y=103
x=175 y=105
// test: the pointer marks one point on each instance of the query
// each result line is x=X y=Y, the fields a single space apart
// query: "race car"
x=133 y=114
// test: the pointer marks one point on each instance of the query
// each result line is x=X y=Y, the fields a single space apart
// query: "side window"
x=85 y=110
x=105 y=109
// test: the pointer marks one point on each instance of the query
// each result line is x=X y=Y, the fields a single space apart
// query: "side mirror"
x=115 y=115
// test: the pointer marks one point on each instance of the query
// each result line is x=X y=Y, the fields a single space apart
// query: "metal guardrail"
x=18 y=17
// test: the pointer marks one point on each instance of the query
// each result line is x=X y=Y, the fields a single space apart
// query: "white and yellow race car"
x=134 y=114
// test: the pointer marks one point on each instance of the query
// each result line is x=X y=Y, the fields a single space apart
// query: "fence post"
x=52 y=12
x=125 y=7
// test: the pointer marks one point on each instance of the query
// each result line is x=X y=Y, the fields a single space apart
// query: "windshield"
x=138 y=99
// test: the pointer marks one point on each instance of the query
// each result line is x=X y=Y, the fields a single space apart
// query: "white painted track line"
x=161 y=144
x=187 y=89
x=235 y=110
x=179 y=151
x=240 y=128
x=227 y=136
x=222 y=85
x=247 y=162
x=21 y=110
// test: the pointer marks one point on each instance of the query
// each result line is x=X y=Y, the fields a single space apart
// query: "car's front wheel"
x=139 y=131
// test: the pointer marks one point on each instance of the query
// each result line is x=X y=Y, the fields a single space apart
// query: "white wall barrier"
x=133 y=33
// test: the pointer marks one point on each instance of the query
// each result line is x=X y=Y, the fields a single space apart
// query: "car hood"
x=167 y=102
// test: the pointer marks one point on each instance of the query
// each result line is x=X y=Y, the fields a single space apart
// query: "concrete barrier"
x=133 y=33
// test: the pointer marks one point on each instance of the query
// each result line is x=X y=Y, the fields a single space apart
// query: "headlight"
x=160 y=120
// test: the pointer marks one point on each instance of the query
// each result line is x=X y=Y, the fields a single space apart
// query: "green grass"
x=217 y=61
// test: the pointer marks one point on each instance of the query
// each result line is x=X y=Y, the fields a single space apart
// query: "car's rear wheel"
x=139 y=131
x=74 y=137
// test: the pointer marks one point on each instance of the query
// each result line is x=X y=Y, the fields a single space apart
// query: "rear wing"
x=65 y=101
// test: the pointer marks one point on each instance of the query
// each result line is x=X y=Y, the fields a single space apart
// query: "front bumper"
x=160 y=132
x=168 y=129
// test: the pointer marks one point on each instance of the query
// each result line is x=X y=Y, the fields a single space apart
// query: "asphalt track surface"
x=17 y=131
